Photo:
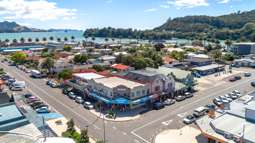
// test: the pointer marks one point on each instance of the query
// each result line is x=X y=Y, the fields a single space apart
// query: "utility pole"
x=103 y=124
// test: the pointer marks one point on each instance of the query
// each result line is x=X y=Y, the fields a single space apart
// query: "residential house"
x=107 y=59
x=121 y=67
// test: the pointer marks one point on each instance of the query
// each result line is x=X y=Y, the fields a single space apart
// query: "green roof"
x=178 y=73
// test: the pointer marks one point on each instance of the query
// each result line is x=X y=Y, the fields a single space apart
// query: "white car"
x=88 y=105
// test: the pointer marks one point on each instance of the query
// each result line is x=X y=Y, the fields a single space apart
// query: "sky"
x=137 y=14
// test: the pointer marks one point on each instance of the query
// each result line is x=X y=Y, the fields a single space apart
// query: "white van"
x=18 y=85
x=200 y=111
x=35 y=74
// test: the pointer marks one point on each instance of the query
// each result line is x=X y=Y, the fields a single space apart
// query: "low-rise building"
x=234 y=124
x=243 y=48
x=108 y=59
x=184 y=77
x=208 y=69
x=118 y=91
x=158 y=84
x=245 y=62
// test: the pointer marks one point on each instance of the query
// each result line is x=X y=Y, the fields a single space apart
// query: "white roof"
x=112 y=82
x=55 y=140
x=88 y=76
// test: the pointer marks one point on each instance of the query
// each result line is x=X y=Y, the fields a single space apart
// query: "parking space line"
x=32 y=84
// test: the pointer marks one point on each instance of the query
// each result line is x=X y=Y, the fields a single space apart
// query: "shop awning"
x=105 y=100
x=121 y=101
x=141 y=100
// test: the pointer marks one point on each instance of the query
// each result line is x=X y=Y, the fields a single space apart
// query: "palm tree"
x=93 y=38
x=7 y=40
x=59 y=39
x=72 y=37
x=228 y=43
x=22 y=40
x=44 y=39
x=86 y=37
x=37 y=40
x=65 y=39
x=14 y=41
x=29 y=40
x=51 y=38
x=106 y=40
x=113 y=39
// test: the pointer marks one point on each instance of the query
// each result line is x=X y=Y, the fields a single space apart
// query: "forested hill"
x=235 y=26
x=10 y=27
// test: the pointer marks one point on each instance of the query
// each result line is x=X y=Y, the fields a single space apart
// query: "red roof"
x=119 y=66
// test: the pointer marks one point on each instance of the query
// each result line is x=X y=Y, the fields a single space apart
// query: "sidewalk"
x=186 y=134
x=59 y=126
x=121 y=116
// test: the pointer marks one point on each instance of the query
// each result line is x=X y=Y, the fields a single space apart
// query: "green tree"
x=67 y=48
x=48 y=64
x=37 y=40
x=65 y=39
x=84 y=138
x=19 y=57
x=216 y=55
x=22 y=40
x=81 y=58
x=178 y=55
x=228 y=43
x=98 y=68
x=65 y=74
x=30 y=40
x=70 y=126
x=51 y=38
x=229 y=57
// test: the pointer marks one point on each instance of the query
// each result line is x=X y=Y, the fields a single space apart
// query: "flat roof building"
x=243 y=48
x=231 y=125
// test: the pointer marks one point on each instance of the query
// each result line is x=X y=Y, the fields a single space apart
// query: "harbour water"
x=78 y=35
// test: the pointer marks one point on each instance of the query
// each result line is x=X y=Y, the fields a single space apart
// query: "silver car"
x=79 y=100
x=88 y=105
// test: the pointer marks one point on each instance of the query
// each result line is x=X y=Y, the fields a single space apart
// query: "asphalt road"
x=142 y=130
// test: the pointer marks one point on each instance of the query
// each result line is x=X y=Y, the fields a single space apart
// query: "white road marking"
x=77 y=114
x=181 y=115
x=124 y=133
x=166 y=123
x=176 y=111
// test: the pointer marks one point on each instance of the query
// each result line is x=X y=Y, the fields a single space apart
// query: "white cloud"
x=109 y=1
x=151 y=10
x=188 y=3
x=34 y=9
x=164 y=6
x=223 y=1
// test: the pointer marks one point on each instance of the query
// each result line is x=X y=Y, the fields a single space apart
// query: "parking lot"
x=142 y=130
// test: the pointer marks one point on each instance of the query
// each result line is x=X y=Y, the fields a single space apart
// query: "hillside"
x=235 y=26
x=10 y=27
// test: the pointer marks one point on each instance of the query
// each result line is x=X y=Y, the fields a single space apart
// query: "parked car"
x=200 y=111
x=158 y=105
x=27 y=95
x=168 y=102
x=233 y=96
x=253 y=83
x=88 y=105
x=66 y=90
x=42 y=110
x=247 y=74
x=180 y=98
x=188 y=95
x=37 y=103
x=71 y=95
x=40 y=106
x=79 y=100
x=189 y=119
x=29 y=101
